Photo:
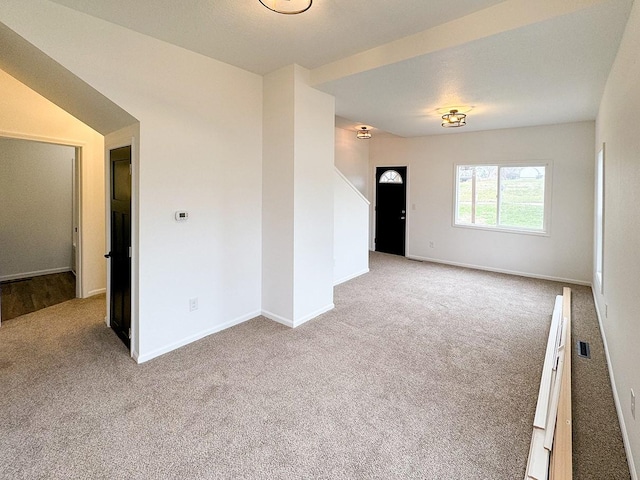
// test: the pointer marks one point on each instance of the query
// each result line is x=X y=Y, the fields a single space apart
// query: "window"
x=600 y=217
x=504 y=197
x=390 y=176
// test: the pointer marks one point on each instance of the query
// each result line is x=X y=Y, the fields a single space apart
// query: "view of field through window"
x=509 y=197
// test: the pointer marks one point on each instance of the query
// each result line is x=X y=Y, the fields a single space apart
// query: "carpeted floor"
x=421 y=371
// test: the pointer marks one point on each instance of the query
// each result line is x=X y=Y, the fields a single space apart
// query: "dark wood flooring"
x=23 y=296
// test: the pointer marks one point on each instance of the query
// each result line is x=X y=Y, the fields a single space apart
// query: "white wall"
x=313 y=213
x=351 y=198
x=200 y=150
x=36 y=208
x=278 y=195
x=352 y=159
x=621 y=269
x=350 y=230
x=298 y=152
x=26 y=114
x=565 y=254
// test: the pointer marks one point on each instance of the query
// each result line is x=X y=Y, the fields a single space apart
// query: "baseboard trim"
x=311 y=316
x=350 y=277
x=296 y=323
x=500 y=270
x=192 y=338
x=95 y=292
x=37 y=273
x=616 y=398
x=277 y=318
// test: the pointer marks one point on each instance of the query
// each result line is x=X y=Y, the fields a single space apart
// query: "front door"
x=391 y=209
x=120 y=254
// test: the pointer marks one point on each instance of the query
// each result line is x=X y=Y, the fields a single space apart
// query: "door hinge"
x=129 y=252
x=375 y=240
x=129 y=333
x=129 y=169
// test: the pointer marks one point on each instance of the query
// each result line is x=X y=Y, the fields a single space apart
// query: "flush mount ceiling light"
x=287 y=7
x=363 y=132
x=454 y=119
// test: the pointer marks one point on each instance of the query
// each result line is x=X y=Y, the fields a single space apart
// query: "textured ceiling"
x=546 y=73
x=393 y=64
x=246 y=34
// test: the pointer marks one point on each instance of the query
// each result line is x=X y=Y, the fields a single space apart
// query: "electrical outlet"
x=633 y=404
x=431 y=245
x=193 y=304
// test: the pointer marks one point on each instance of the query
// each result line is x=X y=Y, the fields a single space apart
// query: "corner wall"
x=297 y=213
x=565 y=254
x=619 y=304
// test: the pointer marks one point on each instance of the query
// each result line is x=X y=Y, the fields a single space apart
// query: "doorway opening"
x=391 y=210
x=40 y=216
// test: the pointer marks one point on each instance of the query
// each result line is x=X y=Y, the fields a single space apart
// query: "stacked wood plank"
x=550 y=454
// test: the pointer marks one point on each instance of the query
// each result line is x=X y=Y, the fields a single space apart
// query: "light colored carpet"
x=421 y=371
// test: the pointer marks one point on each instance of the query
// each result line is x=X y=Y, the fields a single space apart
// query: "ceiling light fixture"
x=363 y=133
x=287 y=7
x=454 y=119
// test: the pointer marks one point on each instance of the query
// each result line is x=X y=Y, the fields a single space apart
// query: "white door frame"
x=123 y=138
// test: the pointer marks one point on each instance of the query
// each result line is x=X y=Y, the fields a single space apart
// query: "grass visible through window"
x=508 y=197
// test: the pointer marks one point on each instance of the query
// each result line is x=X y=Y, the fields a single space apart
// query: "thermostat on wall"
x=182 y=216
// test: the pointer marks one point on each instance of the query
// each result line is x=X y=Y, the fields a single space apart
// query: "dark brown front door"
x=391 y=209
x=120 y=254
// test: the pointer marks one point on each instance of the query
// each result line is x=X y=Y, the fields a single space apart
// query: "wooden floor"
x=20 y=297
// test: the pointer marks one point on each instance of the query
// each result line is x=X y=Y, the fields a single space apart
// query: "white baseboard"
x=95 y=292
x=277 y=318
x=616 y=398
x=296 y=323
x=500 y=270
x=37 y=273
x=306 y=318
x=192 y=338
x=350 y=277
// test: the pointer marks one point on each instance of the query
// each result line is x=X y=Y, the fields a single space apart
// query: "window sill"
x=536 y=233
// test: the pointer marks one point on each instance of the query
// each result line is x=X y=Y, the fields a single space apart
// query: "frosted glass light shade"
x=288 y=7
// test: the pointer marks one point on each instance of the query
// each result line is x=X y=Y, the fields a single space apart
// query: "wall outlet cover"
x=193 y=304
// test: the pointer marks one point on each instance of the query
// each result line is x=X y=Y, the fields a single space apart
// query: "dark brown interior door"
x=391 y=209
x=120 y=254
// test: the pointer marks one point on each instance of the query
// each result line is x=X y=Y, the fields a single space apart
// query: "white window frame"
x=395 y=180
x=546 y=223
x=599 y=220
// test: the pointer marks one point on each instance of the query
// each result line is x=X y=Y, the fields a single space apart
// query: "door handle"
x=107 y=255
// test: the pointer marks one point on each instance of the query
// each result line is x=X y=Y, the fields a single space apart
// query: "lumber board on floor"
x=561 y=463
x=550 y=455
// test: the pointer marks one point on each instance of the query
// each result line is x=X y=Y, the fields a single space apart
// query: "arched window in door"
x=390 y=176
